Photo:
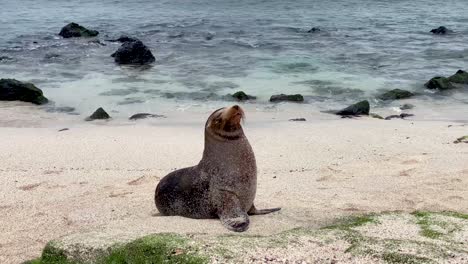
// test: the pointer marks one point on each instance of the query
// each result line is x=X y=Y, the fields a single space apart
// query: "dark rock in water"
x=406 y=106
x=313 y=30
x=395 y=94
x=131 y=100
x=61 y=109
x=440 y=30
x=209 y=36
x=459 y=77
x=373 y=115
x=440 y=83
x=50 y=56
x=297 y=119
x=13 y=90
x=124 y=38
x=98 y=114
x=5 y=58
x=73 y=30
x=133 y=52
x=287 y=97
x=400 y=116
x=463 y=139
x=360 y=108
x=144 y=115
x=241 y=96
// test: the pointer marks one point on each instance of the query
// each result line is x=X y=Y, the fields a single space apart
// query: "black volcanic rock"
x=73 y=30
x=241 y=96
x=459 y=77
x=287 y=97
x=440 y=83
x=400 y=116
x=133 y=52
x=144 y=115
x=395 y=94
x=313 y=30
x=360 y=108
x=14 y=90
x=440 y=30
x=100 y=113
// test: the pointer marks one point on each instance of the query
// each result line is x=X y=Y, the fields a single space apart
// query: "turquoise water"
x=207 y=49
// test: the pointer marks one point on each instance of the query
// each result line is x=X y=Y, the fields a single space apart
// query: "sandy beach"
x=101 y=176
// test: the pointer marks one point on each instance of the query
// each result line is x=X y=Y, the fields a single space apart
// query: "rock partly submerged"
x=297 y=119
x=357 y=109
x=440 y=83
x=460 y=77
x=440 y=30
x=287 y=98
x=406 y=106
x=99 y=114
x=242 y=96
x=144 y=116
x=74 y=30
x=314 y=30
x=395 y=94
x=443 y=83
x=14 y=90
x=400 y=116
x=133 y=53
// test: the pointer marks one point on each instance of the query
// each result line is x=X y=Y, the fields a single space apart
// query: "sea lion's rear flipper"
x=231 y=214
x=255 y=211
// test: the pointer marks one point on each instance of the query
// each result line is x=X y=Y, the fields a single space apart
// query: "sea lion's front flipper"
x=231 y=214
x=255 y=211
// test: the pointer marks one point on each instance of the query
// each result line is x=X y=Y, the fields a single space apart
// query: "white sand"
x=102 y=176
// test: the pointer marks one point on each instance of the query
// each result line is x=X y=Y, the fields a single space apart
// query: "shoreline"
x=101 y=176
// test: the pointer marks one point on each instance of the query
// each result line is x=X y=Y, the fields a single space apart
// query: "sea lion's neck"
x=225 y=147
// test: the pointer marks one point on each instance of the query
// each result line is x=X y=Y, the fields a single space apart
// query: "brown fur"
x=223 y=184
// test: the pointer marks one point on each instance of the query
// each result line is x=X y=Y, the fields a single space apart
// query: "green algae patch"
x=164 y=248
x=160 y=248
x=456 y=214
x=352 y=222
x=404 y=258
x=425 y=223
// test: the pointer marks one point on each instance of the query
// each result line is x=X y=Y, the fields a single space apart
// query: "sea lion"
x=223 y=184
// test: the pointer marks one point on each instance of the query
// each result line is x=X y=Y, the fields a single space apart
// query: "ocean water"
x=207 y=49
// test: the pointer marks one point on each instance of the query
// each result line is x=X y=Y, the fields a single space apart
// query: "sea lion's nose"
x=236 y=107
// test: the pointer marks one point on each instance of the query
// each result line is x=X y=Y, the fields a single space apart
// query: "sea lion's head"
x=225 y=123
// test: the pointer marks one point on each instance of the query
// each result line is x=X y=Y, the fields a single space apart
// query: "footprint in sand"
x=406 y=173
x=123 y=194
x=455 y=197
x=48 y=172
x=410 y=162
x=29 y=187
x=143 y=179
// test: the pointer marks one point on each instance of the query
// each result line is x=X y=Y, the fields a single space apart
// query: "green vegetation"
x=425 y=224
x=456 y=214
x=392 y=257
x=351 y=222
x=161 y=248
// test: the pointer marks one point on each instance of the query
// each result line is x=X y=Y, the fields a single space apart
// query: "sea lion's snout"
x=226 y=120
x=234 y=115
